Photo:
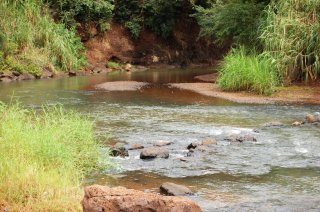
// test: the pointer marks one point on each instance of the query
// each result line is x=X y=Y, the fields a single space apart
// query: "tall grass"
x=30 y=39
x=43 y=158
x=291 y=38
x=249 y=72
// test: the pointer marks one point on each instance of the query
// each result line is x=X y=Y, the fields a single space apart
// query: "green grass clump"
x=291 y=37
x=43 y=158
x=247 y=72
x=113 y=65
x=29 y=37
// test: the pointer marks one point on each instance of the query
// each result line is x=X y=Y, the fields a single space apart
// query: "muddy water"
x=281 y=172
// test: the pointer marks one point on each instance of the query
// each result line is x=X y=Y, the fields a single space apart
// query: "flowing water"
x=280 y=172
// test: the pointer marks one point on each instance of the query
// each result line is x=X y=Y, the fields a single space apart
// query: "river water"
x=280 y=172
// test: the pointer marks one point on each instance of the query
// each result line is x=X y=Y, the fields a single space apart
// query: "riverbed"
x=279 y=172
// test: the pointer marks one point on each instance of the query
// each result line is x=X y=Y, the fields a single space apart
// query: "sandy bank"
x=294 y=94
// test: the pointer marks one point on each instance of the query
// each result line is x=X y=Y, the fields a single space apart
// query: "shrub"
x=236 y=21
x=291 y=38
x=43 y=158
x=71 y=12
x=247 y=71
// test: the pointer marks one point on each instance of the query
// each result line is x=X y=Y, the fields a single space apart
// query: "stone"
x=118 y=150
x=72 y=73
x=121 y=86
x=208 y=142
x=136 y=146
x=5 y=79
x=193 y=145
x=313 y=118
x=16 y=73
x=154 y=152
x=241 y=138
x=128 y=67
x=26 y=76
x=172 y=189
x=163 y=143
x=273 y=124
x=297 y=123
x=102 y=198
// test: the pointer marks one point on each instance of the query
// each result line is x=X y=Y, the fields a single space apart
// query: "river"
x=280 y=172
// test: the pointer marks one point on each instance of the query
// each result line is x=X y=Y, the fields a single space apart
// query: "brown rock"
x=171 y=189
x=101 y=198
x=72 y=73
x=311 y=118
x=128 y=67
x=163 y=143
x=208 y=142
x=154 y=152
x=118 y=150
x=241 y=138
x=297 y=123
x=136 y=146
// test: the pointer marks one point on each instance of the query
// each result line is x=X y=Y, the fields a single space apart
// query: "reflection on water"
x=281 y=172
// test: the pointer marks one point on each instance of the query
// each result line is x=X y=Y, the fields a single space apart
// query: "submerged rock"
x=163 y=143
x=136 y=146
x=102 y=198
x=193 y=145
x=241 y=138
x=273 y=124
x=118 y=150
x=122 y=86
x=154 y=152
x=171 y=189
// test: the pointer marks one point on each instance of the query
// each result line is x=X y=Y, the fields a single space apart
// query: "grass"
x=291 y=37
x=30 y=40
x=247 y=72
x=43 y=158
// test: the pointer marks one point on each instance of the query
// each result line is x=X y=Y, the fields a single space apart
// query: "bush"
x=113 y=65
x=247 y=72
x=29 y=38
x=43 y=158
x=157 y=15
x=236 y=21
x=291 y=38
x=71 y=12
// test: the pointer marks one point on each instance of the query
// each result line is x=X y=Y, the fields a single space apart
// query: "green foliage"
x=247 y=71
x=44 y=156
x=113 y=65
x=30 y=39
x=236 y=21
x=71 y=12
x=291 y=38
x=159 y=16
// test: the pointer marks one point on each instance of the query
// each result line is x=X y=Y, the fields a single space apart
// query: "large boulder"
x=171 y=189
x=101 y=198
x=154 y=152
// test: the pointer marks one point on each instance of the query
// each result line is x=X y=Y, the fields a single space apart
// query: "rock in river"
x=171 y=189
x=313 y=118
x=241 y=138
x=163 y=143
x=119 y=150
x=136 y=146
x=154 y=152
x=102 y=198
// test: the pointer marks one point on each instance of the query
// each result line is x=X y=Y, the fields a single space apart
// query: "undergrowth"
x=30 y=39
x=44 y=156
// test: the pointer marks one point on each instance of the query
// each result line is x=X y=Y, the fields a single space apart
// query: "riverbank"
x=283 y=95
